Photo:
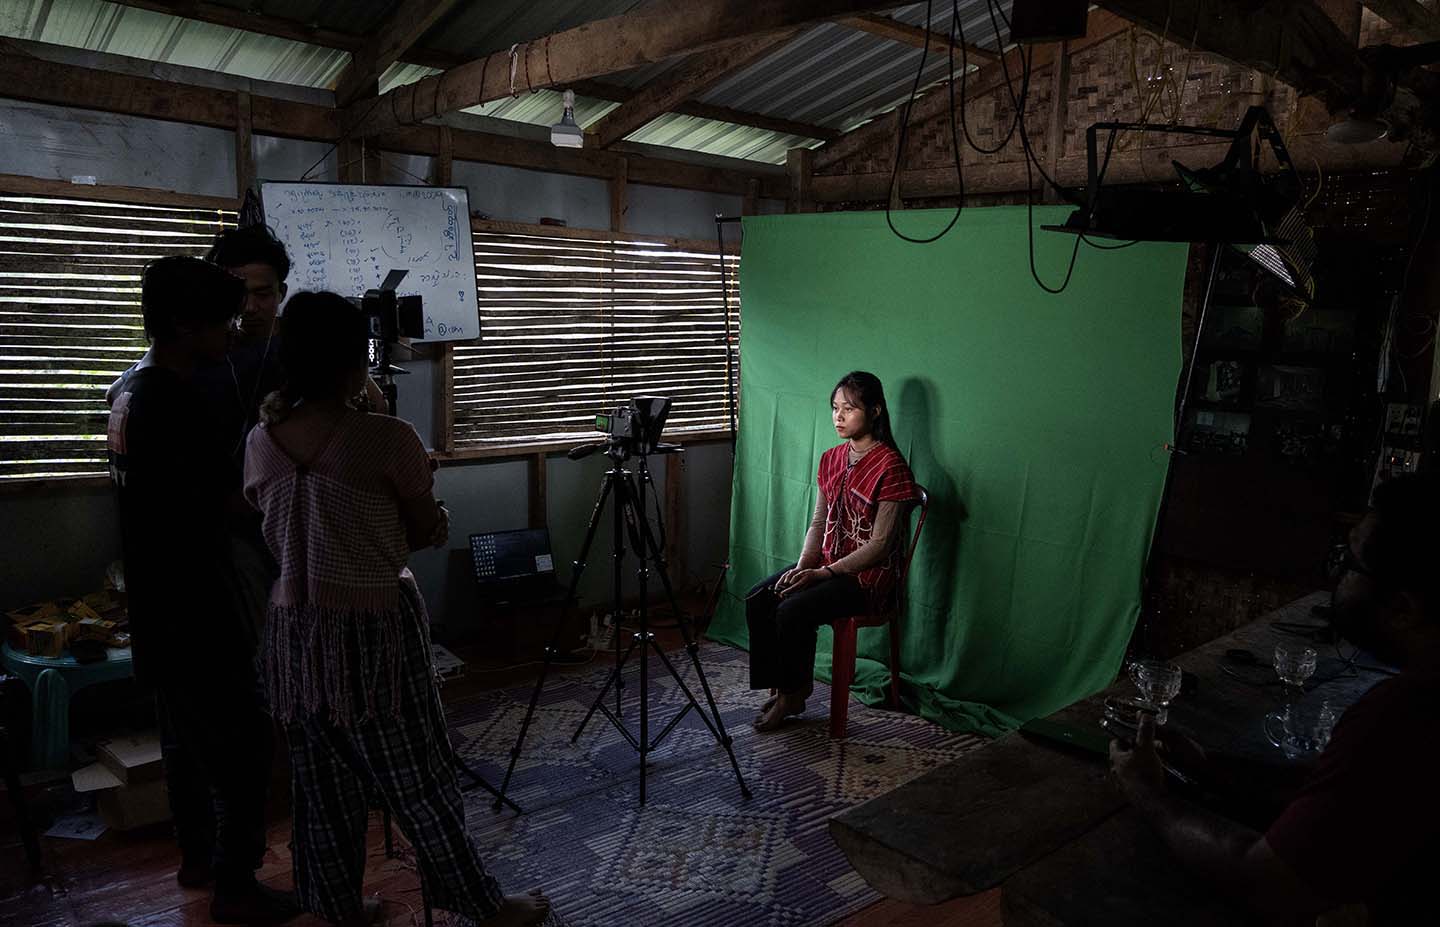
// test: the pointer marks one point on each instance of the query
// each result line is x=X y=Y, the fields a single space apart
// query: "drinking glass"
x=1158 y=682
x=1301 y=728
x=1294 y=664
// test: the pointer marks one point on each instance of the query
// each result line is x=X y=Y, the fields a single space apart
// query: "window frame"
x=445 y=449
x=19 y=185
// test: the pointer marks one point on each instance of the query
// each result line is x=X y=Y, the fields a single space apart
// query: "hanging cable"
x=959 y=27
x=893 y=191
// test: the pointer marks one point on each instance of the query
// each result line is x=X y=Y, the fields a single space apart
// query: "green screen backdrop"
x=1037 y=423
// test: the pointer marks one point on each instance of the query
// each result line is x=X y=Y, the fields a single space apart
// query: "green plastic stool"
x=52 y=680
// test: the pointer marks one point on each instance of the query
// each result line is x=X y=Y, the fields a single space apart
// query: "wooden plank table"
x=1046 y=822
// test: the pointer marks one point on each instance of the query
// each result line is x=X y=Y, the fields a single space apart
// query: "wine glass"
x=1158 y=682
x=1294 y=665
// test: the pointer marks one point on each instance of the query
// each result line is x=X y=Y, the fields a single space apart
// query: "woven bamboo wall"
x=1131 y=76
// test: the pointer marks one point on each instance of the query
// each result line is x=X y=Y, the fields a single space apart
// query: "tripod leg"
x=577 y=571
x=692 y=647
x=630 y=500
x=611 y=681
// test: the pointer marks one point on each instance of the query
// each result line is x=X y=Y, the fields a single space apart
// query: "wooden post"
x=443 y=173
x=619 y=195
x=750 y=203
x=800 y=165
x=1059 y=111
x=538 y=500
x=244 y=145
x=445 y=398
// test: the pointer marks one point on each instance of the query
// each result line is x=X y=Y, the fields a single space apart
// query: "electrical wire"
x=893 y=190
x=1031 y=161
x=957 y=25
x=344 y=136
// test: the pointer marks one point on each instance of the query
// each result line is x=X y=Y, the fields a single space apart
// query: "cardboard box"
x=92 y=629
x=133 y=760
x=130 y=780
x=46 y=639
x=132 y=806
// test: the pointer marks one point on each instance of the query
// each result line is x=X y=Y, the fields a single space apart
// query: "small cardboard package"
x=130 y=779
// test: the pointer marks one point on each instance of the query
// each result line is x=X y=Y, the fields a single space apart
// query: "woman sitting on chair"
x=345 y=497
x=850 y=559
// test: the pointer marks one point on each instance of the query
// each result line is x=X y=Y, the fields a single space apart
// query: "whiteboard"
x=346 y=237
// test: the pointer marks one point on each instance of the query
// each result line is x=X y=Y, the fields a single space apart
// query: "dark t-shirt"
x=1366 y=824
x=233 y=389
x=174 y=477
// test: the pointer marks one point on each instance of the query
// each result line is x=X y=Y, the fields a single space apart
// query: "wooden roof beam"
x=220 y=15
x=616 y=93
x=1408 y=16
x=400 y=31
x=1150 y=165
x=607 y=46
x=690 y=78
x=888 y=27
x=24 y=77
x=444 y=60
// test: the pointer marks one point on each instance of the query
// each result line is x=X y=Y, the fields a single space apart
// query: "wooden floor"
x=130 y=878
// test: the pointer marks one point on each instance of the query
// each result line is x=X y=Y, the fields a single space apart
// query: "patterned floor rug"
x=697 y=854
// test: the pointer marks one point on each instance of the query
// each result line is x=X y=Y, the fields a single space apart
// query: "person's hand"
x=798 y=579
x=1137 y=770
x=786 y=577
x=441 y=535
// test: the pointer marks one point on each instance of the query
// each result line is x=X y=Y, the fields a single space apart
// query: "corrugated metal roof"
x=829 y=76
x=120 y=30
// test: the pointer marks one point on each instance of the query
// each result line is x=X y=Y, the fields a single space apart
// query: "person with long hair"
x=850 y=559
x=345 y=496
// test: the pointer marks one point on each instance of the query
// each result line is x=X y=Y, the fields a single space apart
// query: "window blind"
x=70 y=319
x=573 y=326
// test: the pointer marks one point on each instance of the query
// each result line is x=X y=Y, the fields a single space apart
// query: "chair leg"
x=842 y=673
x=28 y=834
x=894 y=665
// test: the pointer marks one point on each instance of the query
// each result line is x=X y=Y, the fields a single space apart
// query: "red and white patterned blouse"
x=852 y=494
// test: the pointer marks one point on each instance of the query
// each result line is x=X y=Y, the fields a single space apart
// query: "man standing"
x=194 y=643
x=1365 y=827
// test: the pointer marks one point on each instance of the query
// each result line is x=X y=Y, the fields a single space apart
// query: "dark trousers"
x=216 y=741
x=782 y=630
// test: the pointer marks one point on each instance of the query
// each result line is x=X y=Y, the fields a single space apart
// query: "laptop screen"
x=506 y=555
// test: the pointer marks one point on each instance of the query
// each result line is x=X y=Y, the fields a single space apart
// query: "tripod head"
x=633 y=429
x=619 y=451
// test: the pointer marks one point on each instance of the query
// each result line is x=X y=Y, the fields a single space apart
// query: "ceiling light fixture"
x=567 y=133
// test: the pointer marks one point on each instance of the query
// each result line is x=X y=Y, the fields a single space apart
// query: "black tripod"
x=629 y=513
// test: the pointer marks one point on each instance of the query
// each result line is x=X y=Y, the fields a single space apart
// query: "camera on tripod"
x=392 y=317
x=633 y=428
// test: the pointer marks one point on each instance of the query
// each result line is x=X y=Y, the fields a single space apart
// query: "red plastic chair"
x=842 y=660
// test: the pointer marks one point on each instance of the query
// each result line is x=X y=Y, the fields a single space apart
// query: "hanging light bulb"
x=566 y=133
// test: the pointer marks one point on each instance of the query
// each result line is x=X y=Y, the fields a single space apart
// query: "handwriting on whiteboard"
x=347 y=238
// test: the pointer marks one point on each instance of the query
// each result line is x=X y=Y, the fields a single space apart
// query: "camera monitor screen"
x=502 y=556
